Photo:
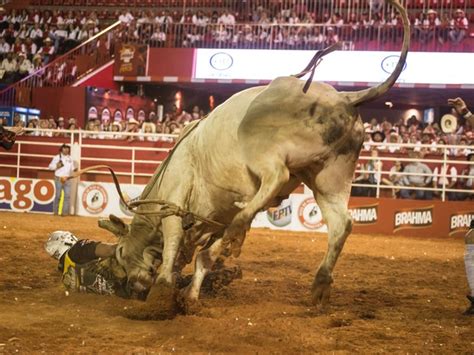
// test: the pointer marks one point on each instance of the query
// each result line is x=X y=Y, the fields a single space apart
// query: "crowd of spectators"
x=31 y=39
x=428 y=140
x=287 y=28
x=148 y=129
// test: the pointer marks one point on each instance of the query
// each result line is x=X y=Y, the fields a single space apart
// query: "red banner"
x=410 y=217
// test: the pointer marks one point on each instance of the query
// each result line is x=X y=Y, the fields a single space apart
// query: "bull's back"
x=207 y=172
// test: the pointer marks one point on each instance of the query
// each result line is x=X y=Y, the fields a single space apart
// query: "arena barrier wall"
x=299 y=212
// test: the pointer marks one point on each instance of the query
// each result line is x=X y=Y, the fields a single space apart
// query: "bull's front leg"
x=162 y=296
x=204 y=262
x=272 y=181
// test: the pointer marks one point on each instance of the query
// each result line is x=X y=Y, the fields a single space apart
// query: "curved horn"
x=359 y=97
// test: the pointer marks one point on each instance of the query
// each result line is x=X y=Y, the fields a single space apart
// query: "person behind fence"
x=416 y=167
x=445 y=176
x=469 y=264
x=466 y=182
x=461 y=108
x=63 y=167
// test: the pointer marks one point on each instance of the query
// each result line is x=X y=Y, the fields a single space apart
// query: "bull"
x=248 y=155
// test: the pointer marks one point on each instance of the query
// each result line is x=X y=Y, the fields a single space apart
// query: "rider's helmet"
x=59 y=242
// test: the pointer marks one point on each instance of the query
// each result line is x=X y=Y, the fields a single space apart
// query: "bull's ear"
x=114 y=225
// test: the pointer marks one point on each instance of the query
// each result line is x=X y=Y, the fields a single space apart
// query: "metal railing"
x=286 y=36
x=66 y=69
x=249 y=7
x=383 y=178
x=132 y=165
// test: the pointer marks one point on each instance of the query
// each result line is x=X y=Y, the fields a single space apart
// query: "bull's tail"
x=311 y=67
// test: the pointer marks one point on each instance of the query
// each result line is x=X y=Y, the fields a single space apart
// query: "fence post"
x=80 y=148
x=379 y=175
x=18 y=157
x=445 y=158
x=271 y=36
x=133 y=166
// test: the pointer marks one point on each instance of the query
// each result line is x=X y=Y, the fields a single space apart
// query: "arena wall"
x=299 y=212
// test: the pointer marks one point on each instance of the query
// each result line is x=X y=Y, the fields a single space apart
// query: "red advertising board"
x=410 y=217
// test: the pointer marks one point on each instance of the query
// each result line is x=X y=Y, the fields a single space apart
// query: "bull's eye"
x=119 y=250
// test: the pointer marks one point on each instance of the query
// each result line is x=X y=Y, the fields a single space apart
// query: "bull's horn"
x=359 y=97
x=114 y=225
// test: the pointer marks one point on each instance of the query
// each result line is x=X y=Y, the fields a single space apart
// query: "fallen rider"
x=91 y=267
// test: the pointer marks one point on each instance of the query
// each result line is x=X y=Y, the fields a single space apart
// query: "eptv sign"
x=341 y=66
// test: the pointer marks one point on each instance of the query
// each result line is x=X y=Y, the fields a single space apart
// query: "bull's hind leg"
x=273 y=179
x=331 y=189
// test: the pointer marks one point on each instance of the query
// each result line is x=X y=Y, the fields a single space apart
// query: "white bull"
x=247 y=155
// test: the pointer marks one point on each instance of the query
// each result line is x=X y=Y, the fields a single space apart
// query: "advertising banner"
x=365 y=66
x=26 y=195
x=299 y=212
x=131 y=59
x=101 y=199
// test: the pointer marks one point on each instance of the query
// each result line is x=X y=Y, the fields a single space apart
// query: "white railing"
x=444 y=161
x=77 y=141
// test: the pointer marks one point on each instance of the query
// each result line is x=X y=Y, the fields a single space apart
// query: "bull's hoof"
x=188 y=305
x=320 y=295
x=160 y=304
x=321 y=290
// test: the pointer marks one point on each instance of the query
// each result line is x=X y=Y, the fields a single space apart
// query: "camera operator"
x=63 y=167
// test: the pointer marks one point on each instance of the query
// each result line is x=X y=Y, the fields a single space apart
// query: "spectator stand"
x=134 y=157
x=363 y=24
x=66 y=69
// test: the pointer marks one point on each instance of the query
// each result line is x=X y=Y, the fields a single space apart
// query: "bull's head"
x=139 y=248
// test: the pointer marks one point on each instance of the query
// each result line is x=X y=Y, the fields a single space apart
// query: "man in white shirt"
x=63 y=167
x=60 y=35
x=447 y=176
x=36 y=33
x=227 y=19
x=25 y=67
x=9 y=67
x=126 y=17
x=4 y=46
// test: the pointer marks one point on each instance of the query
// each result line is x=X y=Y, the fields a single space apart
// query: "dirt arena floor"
x=391 y=294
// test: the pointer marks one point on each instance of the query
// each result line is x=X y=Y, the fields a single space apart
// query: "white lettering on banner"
x=24 y=195
x=414 y=218
x=371 y=66
x=364 y=214
x=460 y=222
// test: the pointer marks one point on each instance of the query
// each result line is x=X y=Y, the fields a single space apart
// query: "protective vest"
x=94 y=277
